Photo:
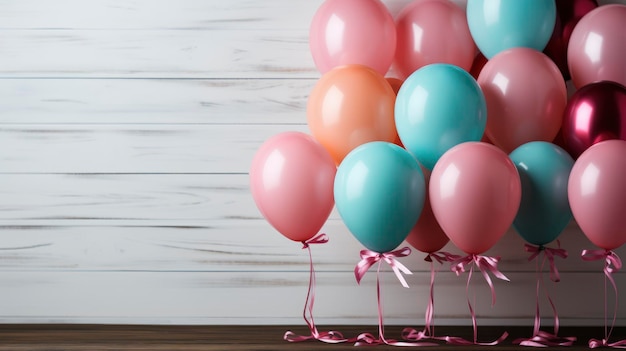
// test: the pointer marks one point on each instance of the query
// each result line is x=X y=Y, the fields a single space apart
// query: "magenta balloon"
x=594 y=113
x=526 y=96
x=291 y=180
x=475 y=192
x=427 y=235
x=352 y=32
x=569 y=12
x=597 y=193
x=432 y=31
x=596 y=48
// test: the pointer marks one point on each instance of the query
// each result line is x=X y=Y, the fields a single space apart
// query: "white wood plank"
x=43 y=148
x=278 y=298
x=153 y=101
x=163 y=245
x=164 y=14
x=156 y=54
x=125 y=197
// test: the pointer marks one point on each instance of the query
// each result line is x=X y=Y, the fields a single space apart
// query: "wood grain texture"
x=127 y=129
x=171 y=148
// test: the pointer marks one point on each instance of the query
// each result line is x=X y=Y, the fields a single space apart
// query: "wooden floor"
x=118 y=337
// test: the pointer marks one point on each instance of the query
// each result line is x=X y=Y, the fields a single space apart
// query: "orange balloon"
x=396 y=84
x=349 y=106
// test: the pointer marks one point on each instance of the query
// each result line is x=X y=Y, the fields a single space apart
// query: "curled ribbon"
x=368 y=259
x=612 y=264
x=429 y=329
x=486 y=265
x=332 y=337
x=542 y=338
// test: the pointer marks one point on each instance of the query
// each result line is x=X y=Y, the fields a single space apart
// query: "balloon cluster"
x=471 y=132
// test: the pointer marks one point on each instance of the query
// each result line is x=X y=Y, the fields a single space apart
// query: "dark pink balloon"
x=596 y=112
x=569 y=12
x=427 y=235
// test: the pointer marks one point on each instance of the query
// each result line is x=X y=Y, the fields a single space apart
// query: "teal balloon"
x=439 y=106
x=544 y=211
x=379 y=193
x=498 y=25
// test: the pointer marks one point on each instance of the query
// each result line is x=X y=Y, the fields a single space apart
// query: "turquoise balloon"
x=437 y=107
x=544 y=211
x=379 y=193
x=498 y=25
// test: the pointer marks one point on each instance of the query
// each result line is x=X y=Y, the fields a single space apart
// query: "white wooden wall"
x=127 y=128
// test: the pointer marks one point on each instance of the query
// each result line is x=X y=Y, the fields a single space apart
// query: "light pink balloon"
x=291 y=179
x=597 y=47
x=432 y=31
x=346 y=32
x=427 y=235
x=526 y=96
x=597 y=193
x=475 y=192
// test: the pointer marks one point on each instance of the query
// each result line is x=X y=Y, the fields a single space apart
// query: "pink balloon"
x=596 y=46
x=475 y=192
x=352 y=32
x=291 y=180
x=526 y=96
x=597 y=193
x=427 y=235
x=432 y=31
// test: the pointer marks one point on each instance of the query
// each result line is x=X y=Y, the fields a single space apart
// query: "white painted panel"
x=125 y=200
x=278 y=298
x=154 y=101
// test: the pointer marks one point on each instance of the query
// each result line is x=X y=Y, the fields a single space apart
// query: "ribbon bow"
x=612 y=264
x=485 y=264
x=331 y=337
x=369 y=258
x=549 y=253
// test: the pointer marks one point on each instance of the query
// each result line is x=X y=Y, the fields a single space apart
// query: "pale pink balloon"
x=597 y=193
x=346 y=32
x=432 y=31
x=526 y=96
x=291 y=179
x=597 y=47
x=427 y=235
x=475 y=192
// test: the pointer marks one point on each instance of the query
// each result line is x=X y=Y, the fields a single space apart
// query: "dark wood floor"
x=125 y=337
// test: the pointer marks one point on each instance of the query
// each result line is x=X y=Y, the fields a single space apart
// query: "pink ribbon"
x=542 y=338
x=486 y=265
x=612 y=264
x=368 y=259
x=332 y=337
x=549 y=254
x=429 y=329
